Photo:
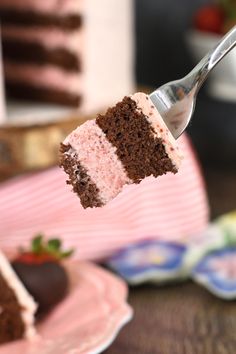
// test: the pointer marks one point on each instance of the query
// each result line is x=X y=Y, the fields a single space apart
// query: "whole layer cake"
x=17 y=307
x=68 y=51
x=123 y=146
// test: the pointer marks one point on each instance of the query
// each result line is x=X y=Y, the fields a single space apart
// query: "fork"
x=176 y=100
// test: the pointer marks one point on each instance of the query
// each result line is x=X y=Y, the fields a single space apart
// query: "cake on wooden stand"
x=76 y=55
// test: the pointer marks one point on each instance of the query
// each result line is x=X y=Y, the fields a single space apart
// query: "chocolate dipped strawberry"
x=41 y=271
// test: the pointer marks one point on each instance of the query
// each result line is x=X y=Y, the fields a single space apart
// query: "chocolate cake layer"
x=30 y=18
x=11 y=324
x=36 y=53
x=40 y=94
x=79 y=179
x=141 y=153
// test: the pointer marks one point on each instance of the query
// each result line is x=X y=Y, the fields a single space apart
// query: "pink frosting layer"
x=60 y=7
x=44 y=76
x=53 y=38
x=98 y=156
x=146 y=106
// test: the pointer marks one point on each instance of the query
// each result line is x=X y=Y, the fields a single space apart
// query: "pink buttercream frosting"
x=44 y=76
x=59 y=7
x=98 y=156
x=55 y=38
x=145 y=105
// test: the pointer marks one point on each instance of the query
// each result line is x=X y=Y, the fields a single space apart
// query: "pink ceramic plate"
x=87 y=321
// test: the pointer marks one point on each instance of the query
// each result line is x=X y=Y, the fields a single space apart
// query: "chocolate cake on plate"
x=17 y=307
x=123 y=146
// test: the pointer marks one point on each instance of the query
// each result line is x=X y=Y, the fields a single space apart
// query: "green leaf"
x=67 y=254
x=52 y=247
x=37 y=244
x=54 y=244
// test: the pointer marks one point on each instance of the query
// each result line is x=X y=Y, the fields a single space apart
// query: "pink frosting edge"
x=44 y=76
x=101 y=161
x=53 y=38
x=154 y=118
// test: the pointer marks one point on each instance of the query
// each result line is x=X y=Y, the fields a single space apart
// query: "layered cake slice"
x=123 y=146
x=66 y=51
x=17 y=307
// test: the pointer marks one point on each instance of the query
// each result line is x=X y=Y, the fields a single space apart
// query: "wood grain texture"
x=181 y=319
x=184 y=318
x=27 y=148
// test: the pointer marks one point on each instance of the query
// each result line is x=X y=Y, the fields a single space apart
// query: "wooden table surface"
x=183 y=318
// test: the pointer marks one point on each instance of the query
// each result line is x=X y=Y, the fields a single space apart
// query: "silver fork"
x=176 y=100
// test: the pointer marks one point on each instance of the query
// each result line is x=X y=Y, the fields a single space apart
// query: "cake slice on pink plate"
x=123 y=146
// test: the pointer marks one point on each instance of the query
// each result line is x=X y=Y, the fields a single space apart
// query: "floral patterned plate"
x=217 y=272
x=150 y=261
x=87 y=321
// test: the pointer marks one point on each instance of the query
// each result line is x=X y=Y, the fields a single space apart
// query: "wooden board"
x=181 y=319
x=184 y=318
x=32 y=147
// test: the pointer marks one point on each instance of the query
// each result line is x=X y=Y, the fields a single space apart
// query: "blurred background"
x=161 y=28
x=169 y=38
x=165 y=53
x=130 y=44
x=172 y=36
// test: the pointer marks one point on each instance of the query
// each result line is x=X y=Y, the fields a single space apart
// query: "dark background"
x=162 y=56
x=161 y=26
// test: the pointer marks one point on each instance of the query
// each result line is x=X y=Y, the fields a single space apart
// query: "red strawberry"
x=33 y=258
x=41 y=251
x=42 y=273
x=209 y=19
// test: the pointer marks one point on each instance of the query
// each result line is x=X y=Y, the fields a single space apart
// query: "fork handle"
x=204 y=67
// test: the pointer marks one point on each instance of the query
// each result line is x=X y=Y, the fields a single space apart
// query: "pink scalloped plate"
x=87 y=321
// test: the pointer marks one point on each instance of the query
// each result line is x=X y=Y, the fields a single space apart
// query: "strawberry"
x=210 y=19
x=42 y=273
x=33 y=258
x=42 y=252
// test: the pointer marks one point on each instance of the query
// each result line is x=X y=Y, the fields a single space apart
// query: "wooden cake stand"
x=31 y=141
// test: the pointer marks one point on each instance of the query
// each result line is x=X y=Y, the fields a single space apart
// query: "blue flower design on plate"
x=217 y=272
x=149 y=260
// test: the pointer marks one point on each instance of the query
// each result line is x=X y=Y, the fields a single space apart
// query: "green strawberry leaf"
x=51 y=246
x=37 y=244
x=54 y=244
x=67 y=254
